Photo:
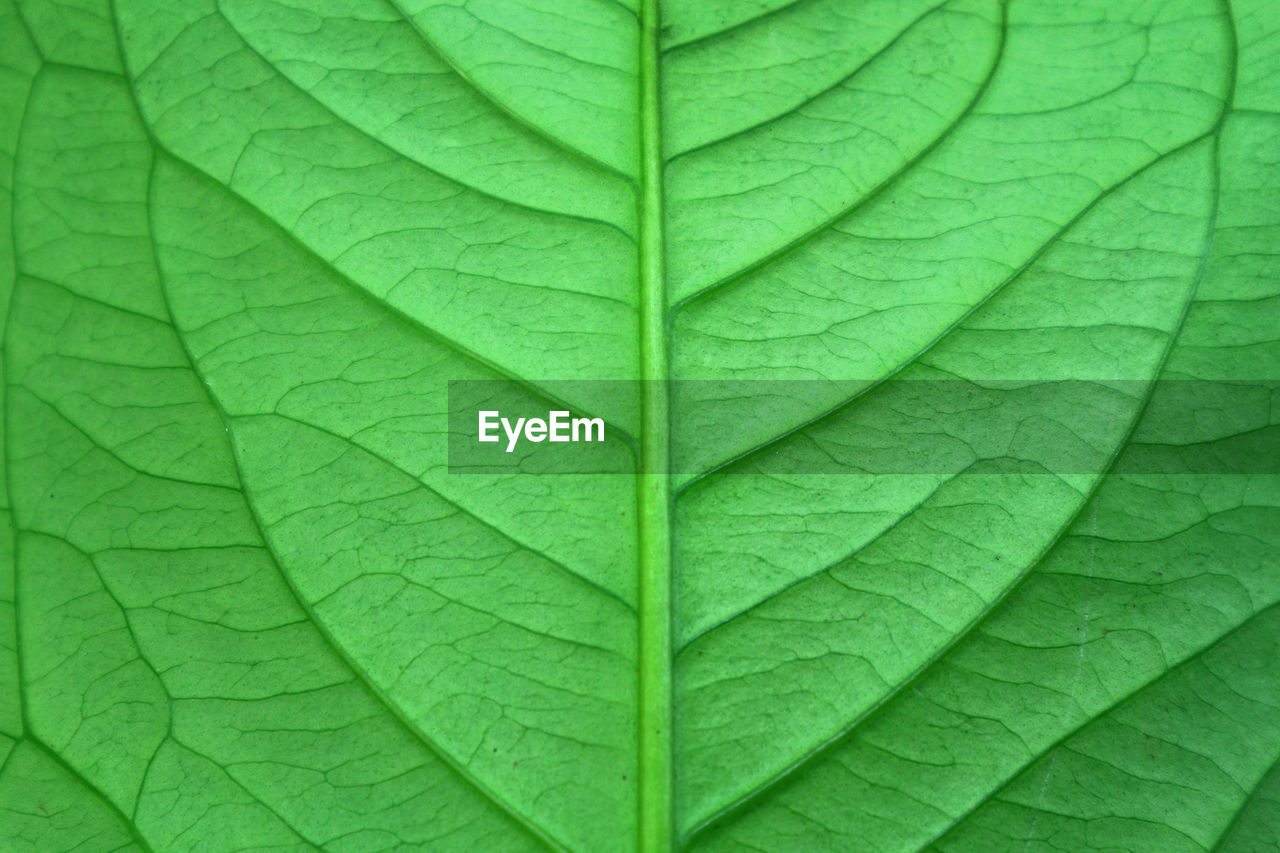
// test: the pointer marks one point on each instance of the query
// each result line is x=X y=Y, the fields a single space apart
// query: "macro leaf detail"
x=941 y=339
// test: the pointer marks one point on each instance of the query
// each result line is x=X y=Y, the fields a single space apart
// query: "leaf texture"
x=246 y=605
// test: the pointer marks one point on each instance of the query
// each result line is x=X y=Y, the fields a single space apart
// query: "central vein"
x=652 y=482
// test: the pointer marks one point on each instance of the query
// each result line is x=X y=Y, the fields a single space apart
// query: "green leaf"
x=943 y=339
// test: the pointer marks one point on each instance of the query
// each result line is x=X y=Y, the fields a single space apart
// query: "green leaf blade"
x=952 y=521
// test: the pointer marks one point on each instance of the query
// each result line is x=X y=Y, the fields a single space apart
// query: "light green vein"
x=488 y=97
x=840 y=82
x=529 y=549
x=1131 y=696
x=833 y=565
x=386 y=146
x=653 y=482
x=129 y=827
x=874 y=193
x=1249 y=801
x=732 y=28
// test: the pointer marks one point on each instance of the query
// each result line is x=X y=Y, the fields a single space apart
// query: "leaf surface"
x=800 y=256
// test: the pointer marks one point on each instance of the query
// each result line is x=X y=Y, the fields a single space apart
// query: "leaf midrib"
x=654 y=505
